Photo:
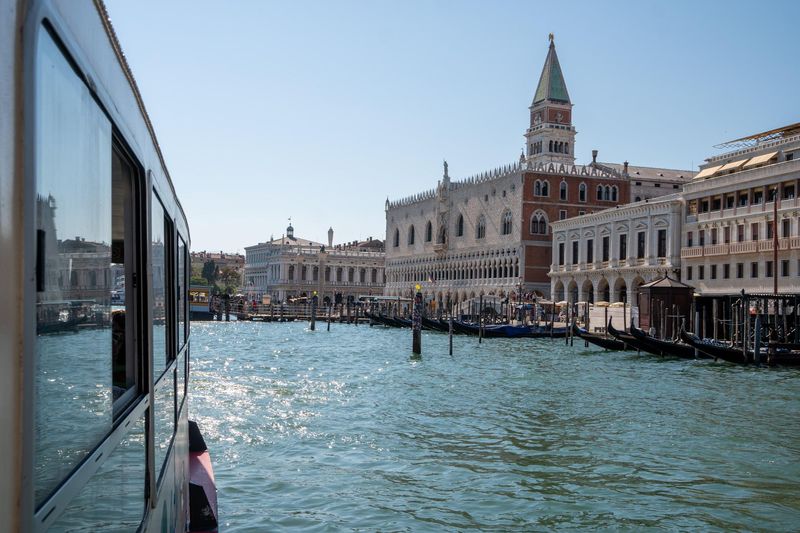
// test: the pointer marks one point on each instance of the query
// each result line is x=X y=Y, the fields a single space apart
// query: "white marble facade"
x=607 y=255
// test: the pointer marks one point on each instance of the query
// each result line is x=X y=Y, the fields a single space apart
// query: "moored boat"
x=607 y=343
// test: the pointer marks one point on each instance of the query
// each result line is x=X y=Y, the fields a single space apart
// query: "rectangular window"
x=768 y=272
x=657 y=185
x=590 y=251
x=743 y=199
x=739 y=270
x=561 y=253
x=769 y=229
x=606 y=247
x=784 y=267
x=758 y=197
x=701 y=272
x=788 y=192
x=562 y=214
x=730 y=201
x=704 y=206
x=688 y=273
x=726 y=234
x=701 y=235
x=78 y=214
x=713 y=236
x=640 y=243
x=716 y=204
x=623 y=246
x=726 y=271
x=713 y=271
x=689 y=237
x=574 y=252
x=740 y=233
x=754 y=231
x=662 y=243
x=754 y=269
x=786 y=227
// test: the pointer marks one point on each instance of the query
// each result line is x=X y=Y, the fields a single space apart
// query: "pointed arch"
x=562 y=190
x=545 y=188
x=396 y=238
x=607 y=193
x=480 y=227
x=539 y=223
x=537 y=188
x=582 y=192
x=428 y=232
x=599 y=192
x=506 y=222
x=411 y=235
x=460 y=226
x=614 y=193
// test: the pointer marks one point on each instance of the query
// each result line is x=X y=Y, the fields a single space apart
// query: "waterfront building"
x=607 y=255
x=728 y=226
x=291 y=267
x=491 y=233
x=222 y=260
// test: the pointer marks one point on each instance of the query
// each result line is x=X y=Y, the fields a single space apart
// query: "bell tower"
x=551 y=135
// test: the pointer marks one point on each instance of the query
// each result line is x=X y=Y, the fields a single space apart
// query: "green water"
x=343 y=431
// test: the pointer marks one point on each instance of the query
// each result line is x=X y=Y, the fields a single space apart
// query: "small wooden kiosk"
x=663 y=304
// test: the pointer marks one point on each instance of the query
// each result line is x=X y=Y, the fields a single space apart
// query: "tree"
x=210 y=271
x=230 y=278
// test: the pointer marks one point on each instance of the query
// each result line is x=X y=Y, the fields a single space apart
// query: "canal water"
x=344 y=431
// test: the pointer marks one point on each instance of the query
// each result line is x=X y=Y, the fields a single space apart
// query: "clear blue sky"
x=320 y=110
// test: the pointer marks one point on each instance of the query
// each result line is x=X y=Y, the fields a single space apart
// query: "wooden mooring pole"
x=313 y=313
x=416 y=324
x=329 y=317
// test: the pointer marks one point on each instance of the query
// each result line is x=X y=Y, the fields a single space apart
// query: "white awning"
x=761 y=159
x=707 y=172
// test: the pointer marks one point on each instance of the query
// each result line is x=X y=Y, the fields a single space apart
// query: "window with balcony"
x=758 y=197
x=754 y=231
x=743 y=199
x=689 y=238
x=704 y=206
x=640 y=245
x=716 y=204
x=713 y=236
x=726 y=234
x=606 y=248
x=574 y=252
x=561 y=253
x=788 y=192
x=730 y=201
x=786 y=227
x=701 y=237
x=770 y=229
x=740 y=233
x=590 y=251
x=623 y=246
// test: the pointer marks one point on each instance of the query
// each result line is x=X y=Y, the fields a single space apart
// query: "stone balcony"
x=746 y=247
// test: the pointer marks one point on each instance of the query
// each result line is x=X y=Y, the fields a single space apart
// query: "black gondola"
x=607 y=343
x=716 y=350
x=659 y=347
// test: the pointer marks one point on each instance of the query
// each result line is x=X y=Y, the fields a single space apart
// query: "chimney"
x=594 y=157
x=625 y=168
x=330 y=237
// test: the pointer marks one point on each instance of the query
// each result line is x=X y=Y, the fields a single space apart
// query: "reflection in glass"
x=182 y=263
x=164 y=411
x=73 y=388
x=113 y=500
x=160 y=355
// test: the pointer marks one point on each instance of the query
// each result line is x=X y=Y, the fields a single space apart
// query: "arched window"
x=411 y=235
x=374 y=275
x=507 y=223
x=351 y=274
x=562 y=190
x=442 y=238
x=599 y=192
x=460 y=226
x=566 y=148
x=428 y=232
x=614 y=193
x=551 y=146
x=582 y=192
x=480 y=228
x=339 y=274
x=537 y=188
x=638 y=199
x=538 y=223
x=545 y=188
x=396 y=239
x=607 y=193
x=362 y=275
x=291 y=272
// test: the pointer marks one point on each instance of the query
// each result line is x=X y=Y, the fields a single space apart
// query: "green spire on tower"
x=551 y=83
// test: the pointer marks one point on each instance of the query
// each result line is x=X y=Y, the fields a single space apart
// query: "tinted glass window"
x=73 y=373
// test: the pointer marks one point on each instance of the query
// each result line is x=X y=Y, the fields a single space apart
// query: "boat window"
x=183 y=333
x=115 y=493
x=73 y=363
